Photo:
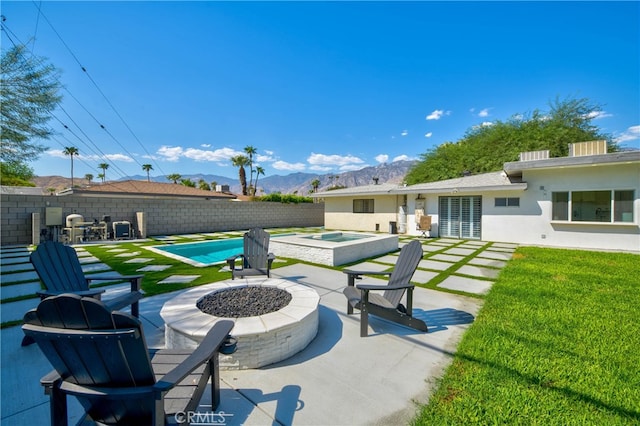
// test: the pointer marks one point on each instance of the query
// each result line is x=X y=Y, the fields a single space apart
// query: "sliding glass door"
x=460 y=217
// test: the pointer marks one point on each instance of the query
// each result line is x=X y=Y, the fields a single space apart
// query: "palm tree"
x=250 y=150
x=71 y=150
x=101 y=176
x=259 y=171
x=240 y=161
x=202 y=184
x=315 y=184
x=147 y=168
x=213 y=185
x=175 y=177
x=104 y=167
x=88 y=177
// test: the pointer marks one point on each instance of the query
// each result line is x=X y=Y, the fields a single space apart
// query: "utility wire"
x=98 y=88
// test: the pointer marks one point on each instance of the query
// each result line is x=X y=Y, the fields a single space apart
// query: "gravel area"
x=244 y=302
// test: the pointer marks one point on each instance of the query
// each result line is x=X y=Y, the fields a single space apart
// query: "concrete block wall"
x=163 y=215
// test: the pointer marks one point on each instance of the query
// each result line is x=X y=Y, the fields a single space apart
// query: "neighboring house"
x=139 y=188
x=590 y=199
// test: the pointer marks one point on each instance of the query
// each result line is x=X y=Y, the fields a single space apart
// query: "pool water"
x=205 y=253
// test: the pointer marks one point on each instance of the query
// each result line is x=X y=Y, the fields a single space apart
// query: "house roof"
x=495 y=181
x=517 y=167
x=143 y=188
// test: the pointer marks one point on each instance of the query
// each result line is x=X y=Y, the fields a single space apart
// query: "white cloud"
x=174 y=153
x=404 y=133
x=333 y=160
x=59 y=153
x=631 y=134
x=170 y=153
x=402 y=157
x=428 y=134
x=484 y=113
x=206 y=145
x=291 y=167
x=486 y=124
x=116 y=157
x=382 y=158
x=265 y=158
x=437 y=114
x=598 y=114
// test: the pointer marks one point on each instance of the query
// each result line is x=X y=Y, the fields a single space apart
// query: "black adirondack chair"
x=387 y=305
x=256 y=259
x=60 y=271
x=101 y=357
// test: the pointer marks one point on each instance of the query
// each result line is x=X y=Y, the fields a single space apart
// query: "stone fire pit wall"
x=262 y=340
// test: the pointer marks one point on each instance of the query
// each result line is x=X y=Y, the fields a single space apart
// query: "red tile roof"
x=144 y=188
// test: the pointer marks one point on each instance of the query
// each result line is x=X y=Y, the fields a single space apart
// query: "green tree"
x=315 y=184
x=101 y=176
x=187 y=182
x=147 y=168
x=174 y=177
x=88 y=177
x=15 y=173
x=71 y=151
x=104 y=167
x=202 y=184
x=250 y=151
x=259 y=171
x=28 y=94
x=241 y=161
x=486 y=148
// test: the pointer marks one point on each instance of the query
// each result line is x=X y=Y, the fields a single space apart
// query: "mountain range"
x=294 y=183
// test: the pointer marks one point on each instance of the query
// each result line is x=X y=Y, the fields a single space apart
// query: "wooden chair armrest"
x=384 y=287
x=203 y=353
x=124 y=300
x=352 y=272
x=84 y=293
x=134 y=279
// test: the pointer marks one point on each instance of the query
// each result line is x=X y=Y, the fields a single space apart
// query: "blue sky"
x=316 y=87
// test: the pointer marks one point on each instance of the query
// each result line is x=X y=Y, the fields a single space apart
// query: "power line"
x=99 y=89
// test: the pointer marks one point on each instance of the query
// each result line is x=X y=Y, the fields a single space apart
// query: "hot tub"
x=333 y=248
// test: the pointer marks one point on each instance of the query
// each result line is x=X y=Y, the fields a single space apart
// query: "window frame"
x=363 y=206
x=620 y=204
x=508 y=202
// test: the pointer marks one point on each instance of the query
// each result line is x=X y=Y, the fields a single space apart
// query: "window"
x=623 y=206
x=363 y=206
x=593 y=206
x=507 y=202
x=560 y=209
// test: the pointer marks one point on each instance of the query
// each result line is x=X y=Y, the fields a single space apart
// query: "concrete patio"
x=339 y=379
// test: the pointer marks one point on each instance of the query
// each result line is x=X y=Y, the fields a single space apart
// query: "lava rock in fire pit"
x=244 y=302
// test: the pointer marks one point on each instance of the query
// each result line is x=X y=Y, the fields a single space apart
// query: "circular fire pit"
x=262 y=339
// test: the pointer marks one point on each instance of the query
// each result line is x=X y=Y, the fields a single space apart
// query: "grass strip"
x=556 y=343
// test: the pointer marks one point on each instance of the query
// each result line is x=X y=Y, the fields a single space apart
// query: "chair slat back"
x=89 y=345
x=407 y=263
x=58 y=267
x=256 y=248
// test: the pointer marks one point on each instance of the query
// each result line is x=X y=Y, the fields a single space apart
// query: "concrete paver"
x=339 y=379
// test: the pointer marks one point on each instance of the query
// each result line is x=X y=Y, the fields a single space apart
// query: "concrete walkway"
x=340 y=378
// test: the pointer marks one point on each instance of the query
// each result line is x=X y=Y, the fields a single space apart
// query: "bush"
x=286 y=198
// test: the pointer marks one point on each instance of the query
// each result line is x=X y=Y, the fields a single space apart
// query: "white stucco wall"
x=532 y=224
x=338 y=213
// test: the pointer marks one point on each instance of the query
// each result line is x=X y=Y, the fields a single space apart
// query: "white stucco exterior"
x=529 y=223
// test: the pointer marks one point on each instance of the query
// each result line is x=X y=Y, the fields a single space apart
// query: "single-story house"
x=590 y=200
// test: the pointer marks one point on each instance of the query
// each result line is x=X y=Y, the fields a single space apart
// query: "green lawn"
x=556 y=342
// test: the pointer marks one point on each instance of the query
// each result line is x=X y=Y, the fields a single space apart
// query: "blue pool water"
x=207 y=252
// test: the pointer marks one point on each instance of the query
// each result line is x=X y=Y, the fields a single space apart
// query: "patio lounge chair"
x=256 y=259
x=60 y=271
x=425 y=226
x=101 y=358
x=387 y=305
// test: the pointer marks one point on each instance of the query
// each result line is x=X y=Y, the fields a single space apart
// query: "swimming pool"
x=201 y=254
